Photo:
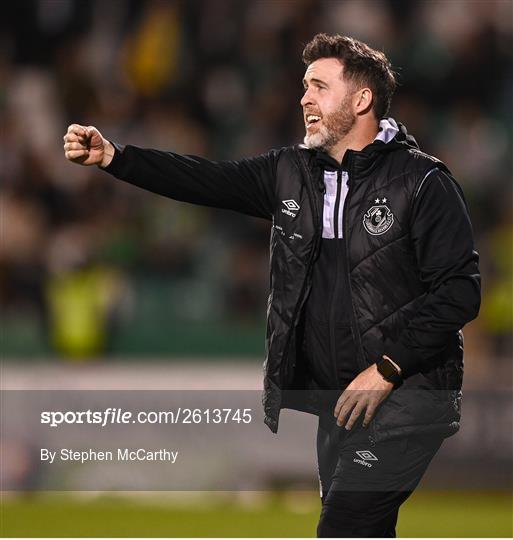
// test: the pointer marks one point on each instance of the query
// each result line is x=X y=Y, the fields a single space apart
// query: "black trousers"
x=364 y=484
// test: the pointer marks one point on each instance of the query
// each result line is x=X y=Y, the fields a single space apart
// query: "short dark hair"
x=363 y=66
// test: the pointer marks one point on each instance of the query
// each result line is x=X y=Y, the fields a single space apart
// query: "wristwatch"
x=390 y=372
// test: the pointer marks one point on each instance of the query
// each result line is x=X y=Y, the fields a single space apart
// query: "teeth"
x=312 y=118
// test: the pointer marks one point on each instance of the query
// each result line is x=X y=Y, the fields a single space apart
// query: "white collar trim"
x=388 y=129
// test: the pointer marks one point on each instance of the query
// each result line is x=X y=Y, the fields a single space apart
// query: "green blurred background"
x=95 y=272
x=91 y=266
x=288 y=514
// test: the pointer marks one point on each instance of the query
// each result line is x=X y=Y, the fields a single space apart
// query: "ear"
x=362 y=100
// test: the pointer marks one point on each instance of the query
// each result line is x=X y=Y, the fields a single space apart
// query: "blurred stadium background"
x=99 y=277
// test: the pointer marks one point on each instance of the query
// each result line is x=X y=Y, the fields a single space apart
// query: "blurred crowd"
x=222 y=79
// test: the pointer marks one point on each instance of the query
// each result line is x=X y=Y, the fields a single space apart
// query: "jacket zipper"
x=354 y=328
x=331 y=323
x=337 y=201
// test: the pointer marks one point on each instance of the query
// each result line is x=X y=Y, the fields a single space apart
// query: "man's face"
x=327 y=104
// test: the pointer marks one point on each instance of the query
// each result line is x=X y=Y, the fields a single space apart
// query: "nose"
x=306 y=99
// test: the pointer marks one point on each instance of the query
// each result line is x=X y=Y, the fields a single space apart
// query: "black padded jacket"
x=411 y=265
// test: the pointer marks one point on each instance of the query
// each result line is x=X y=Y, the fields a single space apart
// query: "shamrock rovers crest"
x=378 y=218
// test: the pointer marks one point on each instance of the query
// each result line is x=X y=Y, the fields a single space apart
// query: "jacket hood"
x=392 y=135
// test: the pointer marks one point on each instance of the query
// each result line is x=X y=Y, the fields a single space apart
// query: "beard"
x=335 y=126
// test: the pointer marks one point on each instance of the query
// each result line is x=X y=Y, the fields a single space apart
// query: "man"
x=373 y=274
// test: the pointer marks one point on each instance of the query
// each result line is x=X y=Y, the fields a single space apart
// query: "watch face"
x=387 y=370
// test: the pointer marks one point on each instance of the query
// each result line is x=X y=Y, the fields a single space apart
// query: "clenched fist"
x=86 y=146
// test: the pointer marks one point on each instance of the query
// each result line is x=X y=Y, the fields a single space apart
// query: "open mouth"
x=311 y=120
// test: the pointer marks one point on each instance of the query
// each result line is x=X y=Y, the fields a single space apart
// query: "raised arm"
x=246 y=186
